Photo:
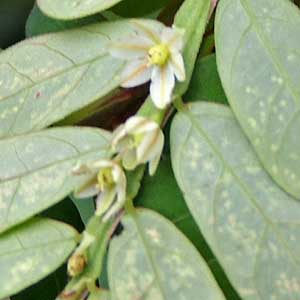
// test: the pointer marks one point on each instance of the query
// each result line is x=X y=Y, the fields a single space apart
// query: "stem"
x=149 y=110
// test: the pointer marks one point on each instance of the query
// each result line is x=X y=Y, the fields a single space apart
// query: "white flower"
x=139 y=141
x=108 y=181
x=154 y=52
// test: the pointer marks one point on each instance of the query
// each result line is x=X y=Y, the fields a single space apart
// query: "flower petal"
x=138 y=124
x=151 y=146
x=150 y=29
x=162 y=85
x=135 y=73
x=177 y=66
x=132 y=47
x=173 y=38
x=129 y=160
x=105 y=200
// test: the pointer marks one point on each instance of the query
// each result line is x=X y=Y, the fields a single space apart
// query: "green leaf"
x=31 y=251
x=258 y=58
x=151 y=259
x=192 y=17
x=249 y=222
x=73 y=9
x=205 y=83
x=138 y=8
x=38 y=23
x=85 y=207
x=162 y=194
x=36 y=169
x=44 y=79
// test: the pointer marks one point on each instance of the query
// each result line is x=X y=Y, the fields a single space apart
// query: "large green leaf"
x=250 y=223
x=38 y=23
x=36 y=169
x=258 y=54
x=138 y=8
x=72 y=9
x=153 y=260
x=44 y=79
x=31 y=251
x=162 y=194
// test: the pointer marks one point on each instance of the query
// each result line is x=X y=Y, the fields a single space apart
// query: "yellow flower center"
x=105 y=178
x=159 y=55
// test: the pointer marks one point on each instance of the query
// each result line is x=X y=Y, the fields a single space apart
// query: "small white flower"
x=139 y=141
x=154 y=52
x=108 y=181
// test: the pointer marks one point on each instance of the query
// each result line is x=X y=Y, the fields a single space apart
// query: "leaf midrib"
x=243 y=186
x=24 y=174
x=64 y=71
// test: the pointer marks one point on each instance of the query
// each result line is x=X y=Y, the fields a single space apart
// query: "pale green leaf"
x=36 y=169
x=250 y=223
x=151 y=259
x=258 y=54
x=44 y=79
x=31 y=251
x=72 y=9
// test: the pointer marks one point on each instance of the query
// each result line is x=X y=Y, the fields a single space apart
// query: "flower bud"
x=76 y=264
x=139 y=141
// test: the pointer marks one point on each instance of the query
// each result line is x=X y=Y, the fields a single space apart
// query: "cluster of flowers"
x=136 y=142
x=153 y=53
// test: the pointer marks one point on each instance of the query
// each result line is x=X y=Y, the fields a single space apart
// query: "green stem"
x=95 y=256
x=149 y=110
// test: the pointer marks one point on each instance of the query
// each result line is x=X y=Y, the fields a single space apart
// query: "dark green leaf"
x=38 y=23
x=205 y=83
x=73 y=9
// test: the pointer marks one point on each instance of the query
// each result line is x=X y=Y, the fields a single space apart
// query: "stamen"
x=159 y=55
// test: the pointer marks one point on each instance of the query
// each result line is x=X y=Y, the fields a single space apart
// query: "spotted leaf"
x=31 y=251
x=44 y=79
x=153 y=260
x=258 y=54
x=36 y=169
x=73 y=9
x=250 y=223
